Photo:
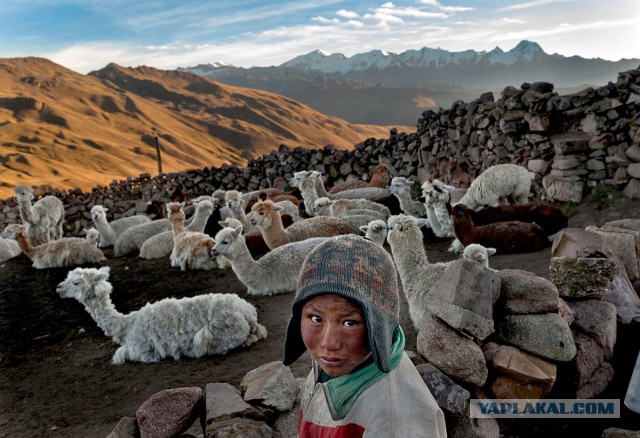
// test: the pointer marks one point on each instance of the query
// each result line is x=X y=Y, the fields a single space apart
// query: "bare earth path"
x=56 y=379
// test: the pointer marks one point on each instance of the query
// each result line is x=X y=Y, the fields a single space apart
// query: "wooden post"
x=159 y=157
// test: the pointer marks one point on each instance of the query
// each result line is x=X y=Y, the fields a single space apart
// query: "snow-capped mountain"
x=379 y=87
x=378 y=60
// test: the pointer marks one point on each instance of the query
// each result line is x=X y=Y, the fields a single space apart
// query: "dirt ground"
x=56 y=376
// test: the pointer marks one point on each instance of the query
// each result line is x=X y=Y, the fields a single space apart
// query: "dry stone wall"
x=572 y=144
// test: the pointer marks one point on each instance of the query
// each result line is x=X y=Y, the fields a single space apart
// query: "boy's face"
x=335 y=333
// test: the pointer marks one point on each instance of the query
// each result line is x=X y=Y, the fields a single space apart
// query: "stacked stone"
x=565 y=182
x=583 y=282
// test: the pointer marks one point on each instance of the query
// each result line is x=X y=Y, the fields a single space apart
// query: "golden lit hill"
x=63 y=129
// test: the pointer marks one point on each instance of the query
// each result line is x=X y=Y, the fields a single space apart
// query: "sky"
x=86 y=35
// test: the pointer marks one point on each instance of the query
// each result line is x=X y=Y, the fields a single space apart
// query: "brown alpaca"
x=379 y=178
x=68 y=251
x=266 y=216
x=506 y=237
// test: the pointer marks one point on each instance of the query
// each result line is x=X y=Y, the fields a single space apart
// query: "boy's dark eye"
x=316 y=319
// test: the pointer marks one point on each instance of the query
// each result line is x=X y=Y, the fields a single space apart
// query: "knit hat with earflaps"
x=360 y=270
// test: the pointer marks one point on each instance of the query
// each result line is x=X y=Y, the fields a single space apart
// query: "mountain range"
x=62 y=129
x=379 y=87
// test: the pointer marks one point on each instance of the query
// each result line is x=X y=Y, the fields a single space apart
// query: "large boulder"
x=524 y=292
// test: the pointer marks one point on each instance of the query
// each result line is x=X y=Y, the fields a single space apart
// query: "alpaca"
x=133 y=237
x=502 y=180
x=478 y=253
x=191 y=249
x=110 y=231
x=250 y=198
x=68 y=251
x=379 y=178
x=234 y=201
x=274 y=273
x=43 y=220
x=417 y=274
x=161 y=244
x=436 y=201
x=550 y=218
x=268 y=220
x=344 y=207
x=254 y=240
x=371 y=193
x=192 y=327
x=375 y=230
x=324 y=207
x=277 y=198
x=506 y=237
x=401 y=188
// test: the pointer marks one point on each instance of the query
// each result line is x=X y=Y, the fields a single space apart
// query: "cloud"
x=436 y=4
x=347 y=14
x=527 y=5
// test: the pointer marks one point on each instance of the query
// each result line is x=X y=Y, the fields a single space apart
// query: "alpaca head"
x=23 y=194
x=403 y=222
x=298 y=177
x=91 y=235
x=321 y=207
x=226 y=239
x=218 y=197
x=234 y=200
x=261 y=210
x=98 y=212
x=83 y=283
x=399 y=184
x=381 y=175
x=230 y=222
x=376 y=230
x=204 y=207
x=174 y=210
x=478 y=253
x=460 y=211
x=11 y=231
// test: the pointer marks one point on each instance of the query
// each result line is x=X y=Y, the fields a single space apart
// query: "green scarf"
x=342 y=392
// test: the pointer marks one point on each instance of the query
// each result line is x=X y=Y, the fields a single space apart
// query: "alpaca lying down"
x=192 y=327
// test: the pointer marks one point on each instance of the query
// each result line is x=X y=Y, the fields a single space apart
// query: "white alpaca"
x=43 y=220
x=478 y=253
x=133 y=237
x=267 y=218
x=370 y=193
x=436 y=199
x=274 y=273
x=499 y=181
x=192 y=327
x=375 y=230
x=235 y=203
x=191 y=249
x=161 y=244
x=110 y=231
x=417 y=274
x=92 y=236
x=68 y=251
x=325 y=207
x=400 y=187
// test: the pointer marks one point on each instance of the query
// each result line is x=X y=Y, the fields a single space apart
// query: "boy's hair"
x=361 y=271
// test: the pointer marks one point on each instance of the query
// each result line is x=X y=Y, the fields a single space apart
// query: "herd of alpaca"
x=264 y=237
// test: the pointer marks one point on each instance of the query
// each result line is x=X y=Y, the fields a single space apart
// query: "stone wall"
x=572 y=144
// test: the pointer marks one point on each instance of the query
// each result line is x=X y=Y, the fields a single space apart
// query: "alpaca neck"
x=239 y=213
x=436 y=226
x=273 y=233
x=409 y=255
x=177 y=224
x=24 y=244
x=462 y=228
x=404 y=197
x=26 y=212
x=242 y=263
x=105 y=229
x=320 y=188
x=104 y=313
x=199 y=221
x=309 y=194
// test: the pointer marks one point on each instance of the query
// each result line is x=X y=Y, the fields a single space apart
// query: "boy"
x=346 y=313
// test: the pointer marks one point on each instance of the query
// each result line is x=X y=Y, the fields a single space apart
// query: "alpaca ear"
x=332 y=202
x=103 y=274
x=222 y=224
x=397 y=227
x=421 y=222
x=237 y=231
x=491 y=251
x=277 y=208
x=363 y=228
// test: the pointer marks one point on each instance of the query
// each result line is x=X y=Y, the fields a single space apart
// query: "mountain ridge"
x=62 y=129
